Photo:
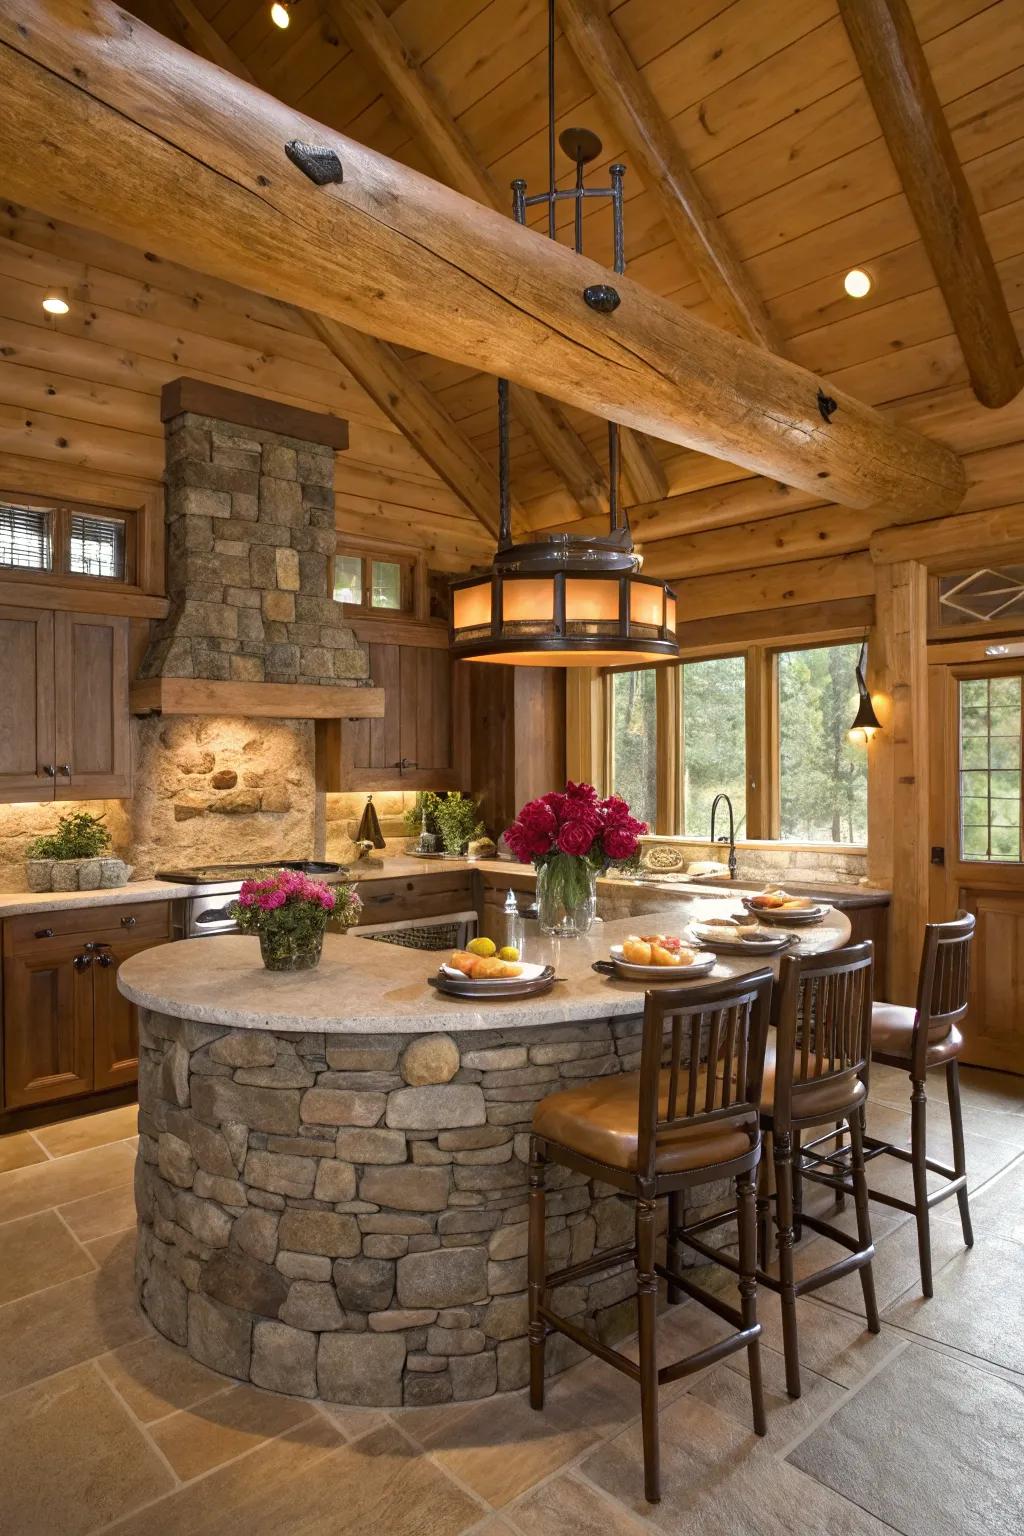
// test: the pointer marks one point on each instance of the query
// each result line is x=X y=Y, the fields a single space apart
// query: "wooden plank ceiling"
x=770 y=116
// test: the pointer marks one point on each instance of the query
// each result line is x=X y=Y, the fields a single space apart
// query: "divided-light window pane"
x=348 y=578
x=634 y=737
x=25 y=537
x=823 y=777
x=96 y=546
x=990 y=768
x=386 y=584
x=713 y=747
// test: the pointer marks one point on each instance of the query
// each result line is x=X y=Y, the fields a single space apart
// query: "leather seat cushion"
x=830 y=1097
x=892 y=1034
x=600 y=1120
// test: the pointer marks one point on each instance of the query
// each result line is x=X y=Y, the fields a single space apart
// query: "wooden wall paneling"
x=803 y=623
x=805 y=583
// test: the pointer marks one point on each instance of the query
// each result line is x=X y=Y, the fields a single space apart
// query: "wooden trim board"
x=299 y=701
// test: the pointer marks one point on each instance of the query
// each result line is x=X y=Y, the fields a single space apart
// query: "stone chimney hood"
x=252 y=628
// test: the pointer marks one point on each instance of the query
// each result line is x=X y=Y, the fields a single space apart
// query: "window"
x=985 y=599
x=713 y=741
x=364 y=581
x=65 y=541
x=634 y=741
x=990 y=768
x=822 y=776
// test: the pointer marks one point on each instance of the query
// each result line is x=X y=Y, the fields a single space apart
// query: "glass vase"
x=566 y=896
x=288 y=952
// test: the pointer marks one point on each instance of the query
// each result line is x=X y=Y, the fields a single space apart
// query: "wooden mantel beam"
x=907 y=104
x=625 y=95
x=373 y=37
x=164 y=151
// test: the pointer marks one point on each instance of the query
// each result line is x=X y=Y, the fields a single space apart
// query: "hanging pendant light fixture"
x=867 y=722
x=562 y=600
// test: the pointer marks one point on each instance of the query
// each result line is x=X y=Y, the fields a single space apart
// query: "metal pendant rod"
x=504 y=468
x=551 y=118
x=613 y=475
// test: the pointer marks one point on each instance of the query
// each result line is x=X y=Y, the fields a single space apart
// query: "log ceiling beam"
x=907 y=105
x=375 y=40
x=397 y=255
x=649 y=139
x=390 y=384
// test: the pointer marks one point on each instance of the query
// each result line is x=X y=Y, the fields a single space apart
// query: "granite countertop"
x=360 y=988
x=13 y=903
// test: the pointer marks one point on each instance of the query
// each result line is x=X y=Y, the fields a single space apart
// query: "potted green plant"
x=289 y=912
x=453 y=817
x=72 y=857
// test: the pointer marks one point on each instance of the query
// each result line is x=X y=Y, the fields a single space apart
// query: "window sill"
x=776 y=845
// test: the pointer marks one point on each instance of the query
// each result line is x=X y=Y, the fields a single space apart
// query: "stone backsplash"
x=763 y=861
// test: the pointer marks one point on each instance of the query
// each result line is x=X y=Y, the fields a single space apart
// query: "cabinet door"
x=47 y=1023
x=411 y=746
x=93 y=744
x=27 y=746
x=115 y=1019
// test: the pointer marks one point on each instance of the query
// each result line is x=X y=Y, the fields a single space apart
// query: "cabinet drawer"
x=32 y=930
x=386 y=901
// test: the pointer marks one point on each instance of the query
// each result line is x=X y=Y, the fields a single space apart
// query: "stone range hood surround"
x=250 y=532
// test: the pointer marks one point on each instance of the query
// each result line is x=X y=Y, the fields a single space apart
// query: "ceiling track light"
x=563 y=600
x=279 y=13
x=857 y=283
x=56 y=301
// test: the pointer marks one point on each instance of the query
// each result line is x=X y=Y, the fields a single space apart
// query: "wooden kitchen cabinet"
x=64 y=722
x=67 y=1030
x=413 y=745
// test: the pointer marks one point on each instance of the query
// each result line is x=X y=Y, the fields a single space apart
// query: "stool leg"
x=673 y=1248
x=647 y=1313
x=746 y=1221
x=956 y=1121
x=784 y=1239
x=798 y=1190
x=860 y=1197
x=918 y=1153
x=764 y=1207
x=840 y=1142
x=537 y=1269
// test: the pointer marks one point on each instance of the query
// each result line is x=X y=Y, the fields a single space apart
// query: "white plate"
x=726 y=941
x=792 y=917
x=702 y=963
x=527 y=973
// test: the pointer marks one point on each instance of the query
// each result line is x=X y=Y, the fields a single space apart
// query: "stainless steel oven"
x=206 y=913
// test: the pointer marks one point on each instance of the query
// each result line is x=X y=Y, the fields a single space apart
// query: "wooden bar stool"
x=671 y=1126
x=816 y=1074
x=918 y=1039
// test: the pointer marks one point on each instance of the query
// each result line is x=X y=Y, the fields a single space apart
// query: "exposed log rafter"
x=907 y=104
x=399 y=256
x=649 y=138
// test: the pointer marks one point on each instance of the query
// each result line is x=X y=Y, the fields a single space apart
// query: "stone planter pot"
x=65 y=874
x=89 y=874
x=39 y=874
x=114 y=872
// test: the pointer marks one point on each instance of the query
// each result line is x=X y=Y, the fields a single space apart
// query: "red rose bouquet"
x=572 y=836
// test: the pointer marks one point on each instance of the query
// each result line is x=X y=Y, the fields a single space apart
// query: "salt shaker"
x=514 y=932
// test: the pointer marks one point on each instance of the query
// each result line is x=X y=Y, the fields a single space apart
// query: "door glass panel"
x=634 y=736
x=990 y=757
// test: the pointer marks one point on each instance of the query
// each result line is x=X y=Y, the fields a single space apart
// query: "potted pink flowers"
x=570 y=838
x=289 y=912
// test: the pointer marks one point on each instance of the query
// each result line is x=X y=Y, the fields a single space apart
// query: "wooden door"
x=411 y=746
x=93 y=743
x=115 y=1019
x=27 y=746
x=48 y=1008
x=977 y=730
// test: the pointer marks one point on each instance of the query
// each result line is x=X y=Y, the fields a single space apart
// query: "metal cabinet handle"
x=95 y=944
x=44 y=933
x=105 y=960
x=49 y=770
x=128 y=922
x=65 y=769
x=82 y=962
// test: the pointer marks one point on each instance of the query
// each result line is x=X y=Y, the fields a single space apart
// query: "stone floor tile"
x=38 y=1251
x=112 y=1210
x=356 y=1422
x=114 y=1245
x=44 y=1185
x=68 y=1323
x=19 y=1150
x=155 y=1377
x=720 y=1480
x=378 y=1484
x=977 y=1306
x=896 y=1266
x=68 y=1136
x=985 y=1155
x=1001 y=1092
x=219 y=1428
x=833 y=1343
x=72 y=1460
x=424 y=1425
x=570 y=1506
x=727 y=1388
x=998 y=1209
x=953 y=1466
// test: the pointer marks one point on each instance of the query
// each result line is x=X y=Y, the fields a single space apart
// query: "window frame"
x=366 y=608
x=761 y=715
x=59 y=572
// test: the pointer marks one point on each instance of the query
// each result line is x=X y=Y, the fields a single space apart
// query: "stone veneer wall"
x=776 y=861
x=345 y=1216
x=250 y=528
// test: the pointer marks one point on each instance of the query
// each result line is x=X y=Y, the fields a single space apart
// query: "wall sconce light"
x=867 y=722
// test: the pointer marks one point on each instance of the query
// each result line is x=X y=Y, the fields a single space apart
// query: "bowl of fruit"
x=484 y=970
x=659 y=957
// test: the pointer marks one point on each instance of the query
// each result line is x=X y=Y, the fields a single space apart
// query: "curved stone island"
x=331 y=1180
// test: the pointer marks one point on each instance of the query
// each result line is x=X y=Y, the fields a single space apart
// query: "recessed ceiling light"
x=55 y=305
x=857 y=284
x=279 y=14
